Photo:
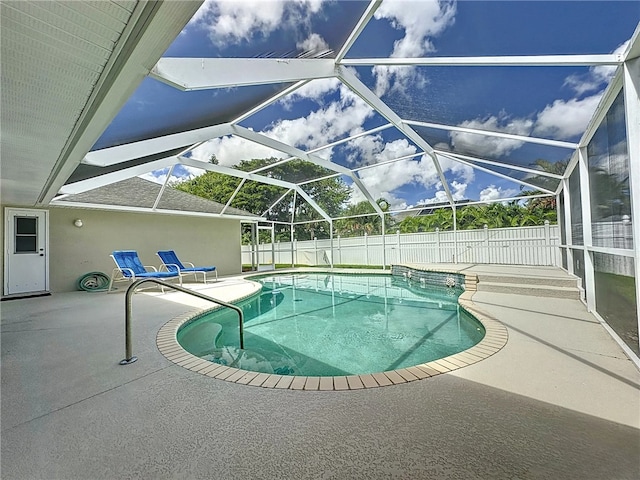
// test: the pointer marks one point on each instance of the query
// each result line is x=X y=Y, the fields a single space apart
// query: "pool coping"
x=496 y=337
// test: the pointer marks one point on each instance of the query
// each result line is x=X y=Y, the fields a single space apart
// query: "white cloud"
x=237 y=21
x=231 y=150
x=387 y=180
x=383 y=180
x=372 y=149
x=460 y=170
x=315 y=90
x=362 y=150
x=458 y=192
x=484 y=145
x=582 y=84
x=495 y=193
x=339 y=118
x=561 y=119
x=342 y=117
x=596 y=78
x=160 y=176
x=313 y=43
x=421 y=22
x=565 y=119
x=398 y=80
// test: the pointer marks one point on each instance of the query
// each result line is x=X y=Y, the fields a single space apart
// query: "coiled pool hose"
x=93 y=282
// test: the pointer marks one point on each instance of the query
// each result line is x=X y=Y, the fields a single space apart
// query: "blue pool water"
x=318 y=324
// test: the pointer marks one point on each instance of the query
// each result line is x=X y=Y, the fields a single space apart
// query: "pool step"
x=556 y=281
x=556 y=287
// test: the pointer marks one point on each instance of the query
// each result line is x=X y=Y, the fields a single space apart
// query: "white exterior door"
x=26 y=261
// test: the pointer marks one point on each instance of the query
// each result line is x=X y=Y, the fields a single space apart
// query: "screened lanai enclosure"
x=371 y=132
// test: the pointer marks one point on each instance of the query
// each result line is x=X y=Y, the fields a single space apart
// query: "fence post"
x=315 y=248
x=384 y=244
x=438 y=257
x=331 y=262
x=487 y=255
x=293 y=263
x=273 y=246
x=339 y=252
x=366 y=249
x=399 y=248
x=547 y=242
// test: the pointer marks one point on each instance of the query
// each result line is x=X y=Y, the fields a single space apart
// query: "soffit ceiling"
x=67 y=69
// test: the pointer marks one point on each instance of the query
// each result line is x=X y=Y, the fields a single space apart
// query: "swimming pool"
x=323 y=324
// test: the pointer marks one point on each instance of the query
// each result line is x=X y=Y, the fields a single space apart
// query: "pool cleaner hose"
x=93 y=282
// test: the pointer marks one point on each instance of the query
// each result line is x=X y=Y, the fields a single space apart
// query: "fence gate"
x=261 y=251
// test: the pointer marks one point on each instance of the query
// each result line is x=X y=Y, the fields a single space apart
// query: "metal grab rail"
x=129 y=357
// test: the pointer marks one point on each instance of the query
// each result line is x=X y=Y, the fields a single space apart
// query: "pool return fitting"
x=129 y=357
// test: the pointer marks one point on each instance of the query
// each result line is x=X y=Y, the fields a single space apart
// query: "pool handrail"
x=129 y=357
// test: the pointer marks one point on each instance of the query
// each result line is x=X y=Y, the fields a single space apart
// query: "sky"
x=546 y=102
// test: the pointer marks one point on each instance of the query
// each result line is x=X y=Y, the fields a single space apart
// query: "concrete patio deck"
x=560 y=400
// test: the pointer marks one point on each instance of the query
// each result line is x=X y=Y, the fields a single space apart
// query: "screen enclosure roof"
x=416 y=103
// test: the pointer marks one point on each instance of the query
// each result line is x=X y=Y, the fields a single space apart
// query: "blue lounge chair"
x=130 y=268
x=171 y=263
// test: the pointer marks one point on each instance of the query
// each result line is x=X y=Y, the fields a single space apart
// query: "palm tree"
x=369 y=224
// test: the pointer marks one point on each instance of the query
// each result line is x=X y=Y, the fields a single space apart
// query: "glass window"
x=616 y=295
x=609 y=181
x=26 y=235
x=26 y=225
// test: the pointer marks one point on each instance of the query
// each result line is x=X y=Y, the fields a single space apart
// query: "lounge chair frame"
x=126 y=274
x=189 y=269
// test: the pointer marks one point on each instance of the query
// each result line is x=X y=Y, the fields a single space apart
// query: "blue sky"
x=548 y=102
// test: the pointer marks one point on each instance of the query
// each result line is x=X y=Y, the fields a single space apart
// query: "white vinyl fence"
x=614 y=235
x=508 y=246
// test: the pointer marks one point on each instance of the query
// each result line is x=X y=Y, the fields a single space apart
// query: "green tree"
x=359 y=224
x=540 y=207
x=441 y=218
x=330 y=193
x=471 y=217
x=413 y=224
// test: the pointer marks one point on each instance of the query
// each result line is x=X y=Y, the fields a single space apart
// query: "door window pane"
x=26 y=236
x=26 y=225
x=25 y=244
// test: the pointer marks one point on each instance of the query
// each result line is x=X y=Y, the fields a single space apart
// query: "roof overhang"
x=57 y=99
x=129 y=209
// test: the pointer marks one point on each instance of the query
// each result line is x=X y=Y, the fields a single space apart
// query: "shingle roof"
x=139 y=193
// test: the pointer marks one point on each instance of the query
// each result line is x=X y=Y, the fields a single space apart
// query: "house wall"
x=75 y=251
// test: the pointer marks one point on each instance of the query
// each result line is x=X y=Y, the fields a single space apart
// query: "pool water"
x=318 y=324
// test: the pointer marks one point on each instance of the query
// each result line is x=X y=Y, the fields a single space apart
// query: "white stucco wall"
x=75 y=251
